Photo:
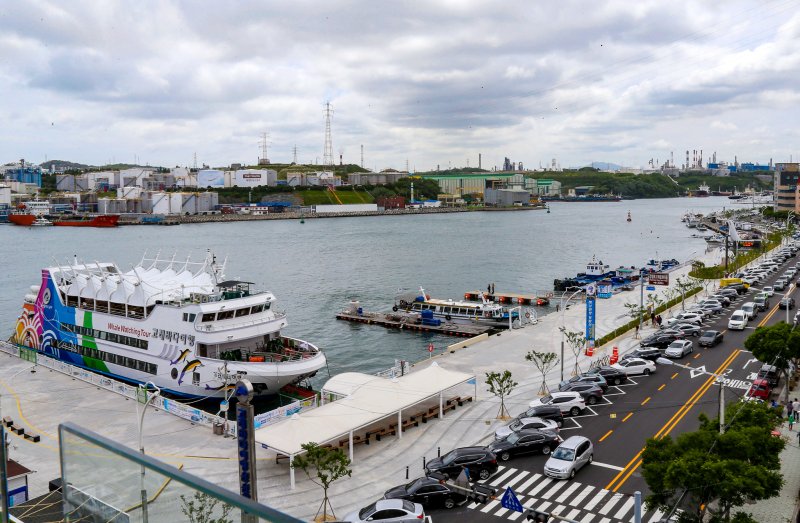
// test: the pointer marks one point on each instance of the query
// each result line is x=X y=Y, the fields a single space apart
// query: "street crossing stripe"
x=540 y=486
x=521 y=489
x=584 y=493
x=496 y=481
x=517 y=478
x=491 y=505
x=567 y=493
x=555 y=488
x=606 y=465
x=596 y=499
x=609 y=504
x=624 y=508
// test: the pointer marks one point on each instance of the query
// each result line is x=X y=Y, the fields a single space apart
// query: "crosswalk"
x=570 y=499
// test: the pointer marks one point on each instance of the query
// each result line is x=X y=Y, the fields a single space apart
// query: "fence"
x=400 y=368
x=273 y=416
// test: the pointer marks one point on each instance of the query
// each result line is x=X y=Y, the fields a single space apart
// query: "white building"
x=5 y=195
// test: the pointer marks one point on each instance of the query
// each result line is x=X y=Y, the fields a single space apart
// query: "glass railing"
x=106 y=481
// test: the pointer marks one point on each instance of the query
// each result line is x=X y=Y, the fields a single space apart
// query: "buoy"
x=302 y=220
x=629 y=216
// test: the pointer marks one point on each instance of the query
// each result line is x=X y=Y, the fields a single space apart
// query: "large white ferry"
x=486 y=312
x=180 y=325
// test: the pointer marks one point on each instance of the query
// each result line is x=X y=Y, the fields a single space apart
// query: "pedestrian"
x=659 y=319
x=796 y=407
x=789 y=408
x=653 y=318
x=558 y=307
x=636 y=334
x=492 y=287
x=791 y=420
x=489 y=289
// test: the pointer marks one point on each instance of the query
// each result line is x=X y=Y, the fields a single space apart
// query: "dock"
x=511 y=297
x=405 y=322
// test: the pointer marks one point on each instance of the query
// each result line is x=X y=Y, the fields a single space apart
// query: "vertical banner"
x=590 y=320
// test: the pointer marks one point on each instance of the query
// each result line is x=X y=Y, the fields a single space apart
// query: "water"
x=314 y=269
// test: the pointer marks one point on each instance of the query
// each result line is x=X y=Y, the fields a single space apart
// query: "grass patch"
x=326 y=197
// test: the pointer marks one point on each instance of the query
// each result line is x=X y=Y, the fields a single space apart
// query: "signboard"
x=658 y=278
x=510 y=501
x=650 y=288
x=590 y=320
x=604 y=289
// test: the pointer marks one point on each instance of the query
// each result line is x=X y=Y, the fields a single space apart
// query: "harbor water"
x=315 y=268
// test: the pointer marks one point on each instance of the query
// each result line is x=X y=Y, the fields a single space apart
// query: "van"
x=724 y=282
x=572 y=455
x=769 y=373
x=750 y=309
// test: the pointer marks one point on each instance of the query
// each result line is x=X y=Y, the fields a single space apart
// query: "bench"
x=465 y=399
x=453 y=401
x=411 y=422
x=346 y=441
x=7 y=421
x=451 y=406
x=280 y=457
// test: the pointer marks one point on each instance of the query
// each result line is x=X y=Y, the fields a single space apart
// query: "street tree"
x=708 y=474
x=576 y=341
x=544 y=363
x=777 y=345
x=202 y=508
x=323 y=466
x=501 y=386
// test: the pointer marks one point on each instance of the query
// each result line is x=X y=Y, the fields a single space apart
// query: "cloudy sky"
x=429 y=82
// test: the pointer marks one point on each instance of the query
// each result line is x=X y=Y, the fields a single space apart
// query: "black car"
x=738 y=287
x=551 y=412
x=428 y=492
x=479 y=461
x=611 y=374
x=528 y=441
x=587 y=378
x=659 y=340
x=710 y=338
x=590 y=392
x=729 y=291
x=646 y=353
x=786 y=303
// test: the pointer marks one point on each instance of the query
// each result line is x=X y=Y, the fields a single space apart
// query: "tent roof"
x=369 y=399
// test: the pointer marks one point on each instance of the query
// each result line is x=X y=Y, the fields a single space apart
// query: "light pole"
x=665 y=361
x=561 y=305
x=147 y=400
x=642 y=272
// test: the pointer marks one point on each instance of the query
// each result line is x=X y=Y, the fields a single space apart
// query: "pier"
x=410 y=323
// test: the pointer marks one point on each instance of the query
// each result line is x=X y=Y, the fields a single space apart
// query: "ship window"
x=267 y=305
x=209 y=316
x=195 y=378
x=224 y=315
x=256 y=309
x=242 y=312
x=185 y=316
x=140 y=365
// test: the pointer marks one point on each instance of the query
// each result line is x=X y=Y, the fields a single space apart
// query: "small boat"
x=717 y=238
x=661 y=265
x=41 y=221
x=629 y=216
x=485 y=312
x=702 y=227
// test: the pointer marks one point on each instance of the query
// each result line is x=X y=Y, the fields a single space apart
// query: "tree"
x=576 y=342
x=501 y=386
x=684 y=284
x=708 y=472
x=544 y=363
x=778 y=345
x=201 y=509
x=327 y=465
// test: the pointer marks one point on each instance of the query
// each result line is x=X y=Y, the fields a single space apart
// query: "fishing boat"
x=661 y=265
x=484 y=312
x=596 y=271
x=178 y=324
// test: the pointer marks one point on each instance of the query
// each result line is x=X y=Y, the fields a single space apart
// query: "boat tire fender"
x=528 y=315
x=448 y=317
x=394 y=308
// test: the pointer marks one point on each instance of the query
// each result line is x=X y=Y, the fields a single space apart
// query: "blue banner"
x=590 y=307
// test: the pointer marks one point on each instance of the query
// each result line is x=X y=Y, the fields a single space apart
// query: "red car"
x=760 y=389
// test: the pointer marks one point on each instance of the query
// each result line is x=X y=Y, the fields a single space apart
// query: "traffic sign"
x=430 y=347
x=650 y=288
x=510 y=501
x=658 y=278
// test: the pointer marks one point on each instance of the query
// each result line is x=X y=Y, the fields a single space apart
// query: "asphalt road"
x=667 y=402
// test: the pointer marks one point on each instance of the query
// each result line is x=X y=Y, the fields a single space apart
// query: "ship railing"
x=175 y=408
x=290 y=349
x=207 y=327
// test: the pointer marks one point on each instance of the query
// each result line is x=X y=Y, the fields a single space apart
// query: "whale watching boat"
x=180 y=325
x=486 y=312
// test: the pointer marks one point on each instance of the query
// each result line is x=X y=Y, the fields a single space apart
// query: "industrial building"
x=506 y=197
x=786 y=178
x=543 y=186
x=135 y=200
x=383 y=178
x=463 y=184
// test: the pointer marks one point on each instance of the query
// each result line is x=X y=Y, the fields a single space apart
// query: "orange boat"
x=22 y=218
x=104 y=220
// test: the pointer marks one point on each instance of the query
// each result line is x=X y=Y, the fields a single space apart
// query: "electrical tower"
x=327 y=153
x=362 y=155
x=264 y=159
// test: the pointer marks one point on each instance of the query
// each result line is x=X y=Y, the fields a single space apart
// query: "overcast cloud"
x=428 y=82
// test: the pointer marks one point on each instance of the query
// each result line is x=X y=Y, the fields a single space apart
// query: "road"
x=667 y=402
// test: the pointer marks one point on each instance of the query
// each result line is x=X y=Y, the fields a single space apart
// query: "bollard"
x=423 y=461
x=438 y=452
x=406 y=471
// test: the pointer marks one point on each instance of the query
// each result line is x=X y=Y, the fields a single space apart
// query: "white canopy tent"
x=368 y=399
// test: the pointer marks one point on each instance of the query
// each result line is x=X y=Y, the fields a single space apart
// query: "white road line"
x=656 y=517
x=540 y=486
x=543 y=506
x=491 y=505
x=525 y=504
x=496 y=481
x=596 y=499
x=606 y=465
x=528 y=483
x=558 y=510
x=624 y=508
x=587 y=518
x=555 y=488
x=580 y=497
x=610 y=504
x=573 y=514
x=564 y=495
x=517 y=478
x=502 y=511
x=605 y=520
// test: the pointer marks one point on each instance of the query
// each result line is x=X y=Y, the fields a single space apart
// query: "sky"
x=419 y=83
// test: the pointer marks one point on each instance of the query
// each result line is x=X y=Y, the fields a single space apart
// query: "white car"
x=679 y=348
x=569 y=402
x=525 y=423
x=635 y=366
x=686 y=317
x=701 y=311
x=769 y=291
x=738 y=320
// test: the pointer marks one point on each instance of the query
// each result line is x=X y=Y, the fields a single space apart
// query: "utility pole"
x=641 y=298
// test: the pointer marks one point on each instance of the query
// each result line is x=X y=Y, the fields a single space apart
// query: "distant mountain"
x=606 y=166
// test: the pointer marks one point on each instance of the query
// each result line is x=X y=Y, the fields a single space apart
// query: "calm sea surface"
x=314 y=269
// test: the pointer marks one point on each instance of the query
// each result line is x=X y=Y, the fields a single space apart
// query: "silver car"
x=394 y=510
x=679 y=348
x=572 y=455
x=526 y=423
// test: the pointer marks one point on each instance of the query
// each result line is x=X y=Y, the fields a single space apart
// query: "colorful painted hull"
x=161 y=348
x=105 y=220
x=22 y=219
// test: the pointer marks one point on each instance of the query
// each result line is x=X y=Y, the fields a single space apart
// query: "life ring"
x=448 y=317
x=394 y=308
x=528 y=315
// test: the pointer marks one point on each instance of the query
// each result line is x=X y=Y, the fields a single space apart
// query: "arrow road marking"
x=751 y=360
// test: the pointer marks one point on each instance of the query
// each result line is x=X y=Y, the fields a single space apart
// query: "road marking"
x=662 y=387
x=528 y=483
x=610 y=504
x=607 y=434
x=540 y=486
x=624 y=508
x=696 y=356
x=606 y=465
x=588 y=518
x=555 y=488
x=646 y=400
x=567 y=493
x=572 y=515
x=517 y=478
x=673 y=376
x=635 y=462
x=698 y=371
x=496 y=481
x=596 y=499
x=628 y=416
x=491 y=505
x=580 y=497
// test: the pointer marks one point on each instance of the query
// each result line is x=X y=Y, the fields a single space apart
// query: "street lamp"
x=147 y=401
x=561 y=305
x=665 y=361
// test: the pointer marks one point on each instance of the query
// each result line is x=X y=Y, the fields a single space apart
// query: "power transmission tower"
x=327 y=153
x=362 y=155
